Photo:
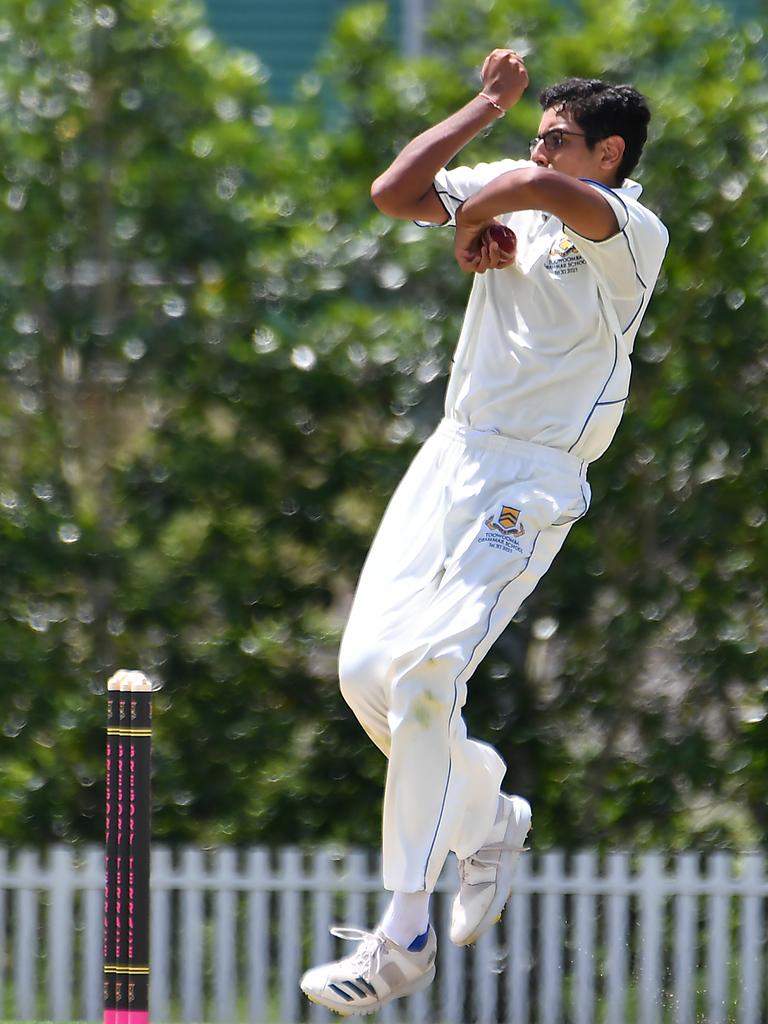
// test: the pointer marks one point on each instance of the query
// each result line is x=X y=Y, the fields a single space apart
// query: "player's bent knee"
x=429 y=690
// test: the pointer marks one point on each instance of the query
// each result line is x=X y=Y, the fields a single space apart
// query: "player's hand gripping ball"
x=504 y=237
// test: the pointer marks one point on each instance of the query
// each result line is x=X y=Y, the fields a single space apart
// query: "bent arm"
x=574 y=202
x=406 y=190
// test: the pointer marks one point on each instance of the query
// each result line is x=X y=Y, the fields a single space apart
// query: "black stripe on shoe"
x=354 y=988
x=371 y=990
x=341 y=992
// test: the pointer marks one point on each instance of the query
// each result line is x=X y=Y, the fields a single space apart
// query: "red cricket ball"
x=505 y=238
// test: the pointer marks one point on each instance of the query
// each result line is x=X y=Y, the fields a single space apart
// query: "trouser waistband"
x=492 y=440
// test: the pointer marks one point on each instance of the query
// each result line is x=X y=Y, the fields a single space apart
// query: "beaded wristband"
x=493 y=103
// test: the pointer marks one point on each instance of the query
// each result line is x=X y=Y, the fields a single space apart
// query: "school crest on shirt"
x=507 y=522
x=564 y=258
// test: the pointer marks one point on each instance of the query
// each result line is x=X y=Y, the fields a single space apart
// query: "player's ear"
x=612 y=152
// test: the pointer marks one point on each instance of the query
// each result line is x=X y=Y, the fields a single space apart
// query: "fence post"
x=91 y=973
x=257 y=935
x=751 y=941
x=518 y=928
x=684 y=966
x=25 y=953
x=321 y=916
x=391 y=1012
x=651 y=902
x=160 y=928
x=191 y=936
x=451 y=960
x=718 y=945
x=290 y=933
x=60 y=930
x=585 y=926
x=355 y=878
x=225 y=910
x=617 y=936
x=485 y=976
x=551 y=939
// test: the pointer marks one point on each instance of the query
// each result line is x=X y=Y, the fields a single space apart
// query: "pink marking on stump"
x=126 y=1017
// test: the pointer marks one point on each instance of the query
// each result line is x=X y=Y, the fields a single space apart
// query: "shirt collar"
x=632 y=188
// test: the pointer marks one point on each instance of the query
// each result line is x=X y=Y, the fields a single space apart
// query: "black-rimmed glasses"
x=554 y=139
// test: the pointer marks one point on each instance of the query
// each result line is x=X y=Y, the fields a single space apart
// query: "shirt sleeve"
x=458 y=184
x=628 y=263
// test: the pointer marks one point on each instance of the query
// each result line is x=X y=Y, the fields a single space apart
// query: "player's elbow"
x=379 y=194
x=397 y=197
x=394 y=195
x=387 y=197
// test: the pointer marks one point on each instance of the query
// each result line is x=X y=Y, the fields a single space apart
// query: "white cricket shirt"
x=543 y=354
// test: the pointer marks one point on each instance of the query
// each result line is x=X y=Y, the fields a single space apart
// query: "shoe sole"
x=363 y=1011
x=518 y=828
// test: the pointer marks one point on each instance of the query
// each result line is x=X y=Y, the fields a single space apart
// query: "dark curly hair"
x=602 y=109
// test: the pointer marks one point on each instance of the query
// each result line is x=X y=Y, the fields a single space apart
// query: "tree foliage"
x=219 y=359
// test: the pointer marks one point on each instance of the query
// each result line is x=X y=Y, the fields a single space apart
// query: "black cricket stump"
x=127 y=834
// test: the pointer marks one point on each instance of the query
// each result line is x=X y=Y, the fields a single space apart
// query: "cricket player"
x=538 y=386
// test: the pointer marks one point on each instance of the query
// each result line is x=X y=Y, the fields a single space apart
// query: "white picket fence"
x=586 y=940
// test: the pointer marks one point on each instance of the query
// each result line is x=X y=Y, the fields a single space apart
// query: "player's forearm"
x=573 y=202
x=409 y=177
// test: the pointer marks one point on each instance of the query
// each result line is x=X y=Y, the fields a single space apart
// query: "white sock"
x=406 y=917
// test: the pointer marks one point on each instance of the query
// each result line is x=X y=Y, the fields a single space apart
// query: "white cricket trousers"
x=472 y=527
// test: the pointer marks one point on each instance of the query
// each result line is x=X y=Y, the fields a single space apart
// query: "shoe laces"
x=366 y=960
x=480 y=859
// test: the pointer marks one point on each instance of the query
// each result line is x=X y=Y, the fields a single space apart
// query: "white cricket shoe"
x=377 y=972
x=486 y=876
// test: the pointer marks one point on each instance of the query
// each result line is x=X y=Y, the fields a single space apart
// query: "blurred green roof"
x=289 y=34
x=286 y=34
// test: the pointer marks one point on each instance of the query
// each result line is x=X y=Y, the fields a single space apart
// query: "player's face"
x=562 y=145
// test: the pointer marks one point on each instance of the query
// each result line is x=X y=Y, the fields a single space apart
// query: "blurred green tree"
x=219 y=359
x=154 y=457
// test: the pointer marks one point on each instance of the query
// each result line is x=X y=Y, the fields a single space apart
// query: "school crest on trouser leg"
x=507 y=522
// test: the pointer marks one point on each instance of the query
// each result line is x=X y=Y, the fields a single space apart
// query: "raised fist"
x=505 y=78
